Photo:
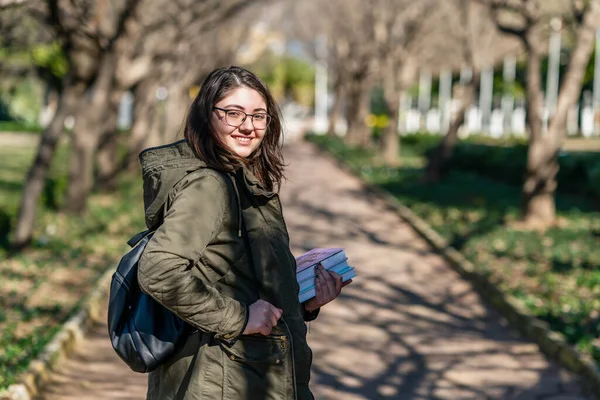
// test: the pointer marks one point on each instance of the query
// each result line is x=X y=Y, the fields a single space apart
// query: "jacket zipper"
x=293 y=361
x=281 y=213
x=286 y=325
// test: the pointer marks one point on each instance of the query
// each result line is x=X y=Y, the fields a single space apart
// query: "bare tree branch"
x=579 y=8
x=12 y=3
x=504 y=26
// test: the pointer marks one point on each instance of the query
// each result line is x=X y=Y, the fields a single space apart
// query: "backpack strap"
x=138 y=237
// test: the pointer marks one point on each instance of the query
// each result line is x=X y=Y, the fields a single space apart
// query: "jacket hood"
x=162 y=168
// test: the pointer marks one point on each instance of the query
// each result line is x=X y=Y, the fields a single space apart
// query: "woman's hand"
x=263 y=317
x=328 y=285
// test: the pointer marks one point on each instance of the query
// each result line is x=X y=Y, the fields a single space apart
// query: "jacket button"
x=277 y=361
x=232 y=357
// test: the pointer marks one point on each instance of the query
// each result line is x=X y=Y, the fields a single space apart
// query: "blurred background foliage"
x=59 y=60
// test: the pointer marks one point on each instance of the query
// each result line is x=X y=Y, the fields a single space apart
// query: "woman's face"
x=245 y=138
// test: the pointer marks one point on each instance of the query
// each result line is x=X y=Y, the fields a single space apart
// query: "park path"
x=408 y=327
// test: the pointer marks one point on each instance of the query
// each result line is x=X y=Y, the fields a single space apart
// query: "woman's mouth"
x=242 y=139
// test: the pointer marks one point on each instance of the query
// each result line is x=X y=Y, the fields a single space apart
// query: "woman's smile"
x=243 y=140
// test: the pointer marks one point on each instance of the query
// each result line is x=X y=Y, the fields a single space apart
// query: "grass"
x=42 y=286
x=18 y=126
x=555 y=274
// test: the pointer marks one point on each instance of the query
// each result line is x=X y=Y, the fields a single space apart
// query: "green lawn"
x=555 y=274
x=41 y=287
x=17 y=126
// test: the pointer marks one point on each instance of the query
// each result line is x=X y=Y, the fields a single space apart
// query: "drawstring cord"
x=239 y=205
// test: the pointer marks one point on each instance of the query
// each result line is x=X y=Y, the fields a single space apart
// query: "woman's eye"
x=234 y=114
x=260 y=117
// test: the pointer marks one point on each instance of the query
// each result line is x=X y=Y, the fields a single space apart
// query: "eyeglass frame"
x=246 y=115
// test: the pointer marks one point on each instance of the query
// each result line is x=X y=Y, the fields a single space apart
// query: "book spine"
x=339 y=268
x=327 y=263
x=334 y=260
x=306 y=295
x=310 y=292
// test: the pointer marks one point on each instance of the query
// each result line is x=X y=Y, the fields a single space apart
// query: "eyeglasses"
x=236 y=118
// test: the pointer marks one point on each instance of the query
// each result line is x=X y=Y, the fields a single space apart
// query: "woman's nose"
x=247 y=124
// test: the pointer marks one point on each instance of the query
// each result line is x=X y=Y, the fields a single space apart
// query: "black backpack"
x=143 y=332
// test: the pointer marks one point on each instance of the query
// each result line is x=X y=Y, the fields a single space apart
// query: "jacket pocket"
x=258 y=367
x=257 y=349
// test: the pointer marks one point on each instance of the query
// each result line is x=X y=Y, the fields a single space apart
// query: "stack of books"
x=332 y=259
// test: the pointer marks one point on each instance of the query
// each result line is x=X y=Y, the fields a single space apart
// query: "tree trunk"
x=540 y=183
x=358 y=133
x=176 y=110
x=108 y=162
x=156 y=133
x=389 y=142
x=90 y=124
x=441 y=154
x=52 y=98
x=535 y=96
x=81 y=170
x=390 y=139
x=539 y=209
x=538 y=188
x=336 y=109
x=144 y=108
x=45 y=154
x=108 y=165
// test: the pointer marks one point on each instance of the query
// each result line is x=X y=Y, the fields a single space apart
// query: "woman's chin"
x=243 y=151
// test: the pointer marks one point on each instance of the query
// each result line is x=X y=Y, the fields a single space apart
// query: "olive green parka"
x=197 y=265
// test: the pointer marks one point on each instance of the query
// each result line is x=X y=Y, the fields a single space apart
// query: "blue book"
x=328 y=257
x=310 y=292
x=339 y=268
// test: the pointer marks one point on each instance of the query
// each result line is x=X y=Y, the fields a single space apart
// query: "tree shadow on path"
x=408 y=327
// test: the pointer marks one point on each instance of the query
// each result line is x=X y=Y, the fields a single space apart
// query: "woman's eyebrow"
x=243 y=108
x=234 y=106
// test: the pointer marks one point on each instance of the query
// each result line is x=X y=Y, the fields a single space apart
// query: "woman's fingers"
x=325 y=281
x=266 y=327
x=331 y=283
x=318 y=284
x=273 y=316
x=277 y=311
x=263 y=316
x=327 y=275
x=328 y=284
x=337 y=281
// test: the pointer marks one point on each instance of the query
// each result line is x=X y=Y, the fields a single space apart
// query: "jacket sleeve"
x=164 y=272
x=311 y=315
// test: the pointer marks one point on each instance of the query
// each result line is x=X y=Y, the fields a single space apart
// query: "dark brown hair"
x=266 y=162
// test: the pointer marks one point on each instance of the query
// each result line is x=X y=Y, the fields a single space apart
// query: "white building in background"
x=573 y=120
x=432 y=120
x=413 y=120
x=125 y=117
x=497 y=123
x=472 y=120
x=504 y=116
x=519 y=121
x=587 y=121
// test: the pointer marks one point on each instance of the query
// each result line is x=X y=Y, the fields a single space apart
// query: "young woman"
x=220 y=257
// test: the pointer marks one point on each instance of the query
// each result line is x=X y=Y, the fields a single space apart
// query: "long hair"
x=266 y=162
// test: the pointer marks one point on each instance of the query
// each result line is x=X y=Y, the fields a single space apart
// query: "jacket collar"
x=253 y=185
